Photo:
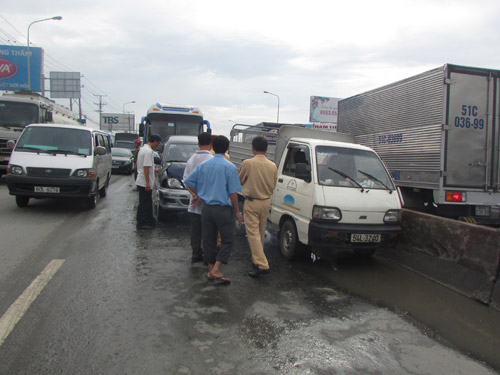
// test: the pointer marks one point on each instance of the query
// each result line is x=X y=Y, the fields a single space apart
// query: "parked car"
x=123 y=160
x=59 y=161
x=172 y=194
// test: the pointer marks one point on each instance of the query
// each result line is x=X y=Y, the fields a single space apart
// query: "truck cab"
x=333 y=197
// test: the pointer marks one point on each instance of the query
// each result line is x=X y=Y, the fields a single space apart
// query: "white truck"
x=22 y=108
x=438 y=133
x=332 y=195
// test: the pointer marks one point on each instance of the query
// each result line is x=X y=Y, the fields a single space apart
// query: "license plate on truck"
x=366 y=238
x=47 y=189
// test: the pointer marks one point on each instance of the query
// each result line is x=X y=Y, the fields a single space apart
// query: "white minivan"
x=59 y=161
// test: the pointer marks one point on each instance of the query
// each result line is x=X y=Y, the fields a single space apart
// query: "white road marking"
x=16 y=311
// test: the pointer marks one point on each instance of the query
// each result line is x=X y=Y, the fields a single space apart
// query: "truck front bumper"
x=174 y=199
x=333 y=237
x=69 y=187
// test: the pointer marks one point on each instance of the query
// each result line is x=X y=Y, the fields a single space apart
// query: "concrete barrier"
x=462 y=256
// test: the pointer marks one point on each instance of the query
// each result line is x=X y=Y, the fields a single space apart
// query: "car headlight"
x=174 y=183
x=15 y=169
x=84 y=173
x=326 y=213
x=392 y=216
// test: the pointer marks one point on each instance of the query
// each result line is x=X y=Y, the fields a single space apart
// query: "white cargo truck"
x=332 y=195
x=438 y=133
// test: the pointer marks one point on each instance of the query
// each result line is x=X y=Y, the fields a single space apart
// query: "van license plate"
x=365 y=238
x=47 y=189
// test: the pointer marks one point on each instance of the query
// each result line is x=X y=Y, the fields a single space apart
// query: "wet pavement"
x=130 y=302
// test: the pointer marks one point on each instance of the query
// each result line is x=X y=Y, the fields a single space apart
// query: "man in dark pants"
x=145 y=181
x=215 y=183
x=203 y=154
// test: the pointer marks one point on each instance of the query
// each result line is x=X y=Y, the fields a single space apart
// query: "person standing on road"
x=258 y=176
x=145 y=181
x=215 y=183
x=203 y=154
x=137 y=145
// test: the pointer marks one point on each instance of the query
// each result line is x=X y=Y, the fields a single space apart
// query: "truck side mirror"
x=49 y=117
x=302 y=172
x=141 y=130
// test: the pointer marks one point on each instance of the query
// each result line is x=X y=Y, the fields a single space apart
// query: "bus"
x=21 y=108
x=166 y=120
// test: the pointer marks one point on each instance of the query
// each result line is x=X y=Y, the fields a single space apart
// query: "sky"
x=221 y=55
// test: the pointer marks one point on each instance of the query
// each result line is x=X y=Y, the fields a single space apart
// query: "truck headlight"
x=392 y=216
x=84 y=173
x=174 y=183
x=326 y=213
x=15 y=169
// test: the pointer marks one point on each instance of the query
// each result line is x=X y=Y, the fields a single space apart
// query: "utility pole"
x=100 y=104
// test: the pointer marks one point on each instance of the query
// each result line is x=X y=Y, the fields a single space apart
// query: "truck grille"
x=48 y=172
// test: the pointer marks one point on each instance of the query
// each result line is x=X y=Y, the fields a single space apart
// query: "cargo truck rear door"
x=468 y=142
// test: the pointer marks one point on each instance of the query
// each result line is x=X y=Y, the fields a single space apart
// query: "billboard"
x=323 y=109
x=65 y=85
x=14 y=68
x=118 y=122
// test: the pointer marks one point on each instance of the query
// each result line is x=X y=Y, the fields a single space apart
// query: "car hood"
x=176 y=169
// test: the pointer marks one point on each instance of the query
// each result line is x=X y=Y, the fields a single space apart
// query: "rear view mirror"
x=302 y=172
x=99 y=150
x=49 y=117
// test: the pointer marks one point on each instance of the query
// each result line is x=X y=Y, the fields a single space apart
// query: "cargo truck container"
x=438 y=133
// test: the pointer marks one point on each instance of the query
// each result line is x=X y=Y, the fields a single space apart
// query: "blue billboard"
x=14 y=68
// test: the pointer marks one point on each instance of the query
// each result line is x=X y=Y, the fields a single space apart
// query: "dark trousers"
x=145 y=208
x=217 y=219
x=195 y=234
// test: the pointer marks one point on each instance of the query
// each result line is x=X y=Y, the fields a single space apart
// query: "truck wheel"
x=239 y=229
x=22 y=201
x=290 y=246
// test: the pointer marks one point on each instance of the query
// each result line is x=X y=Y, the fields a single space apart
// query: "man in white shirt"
x=145 y=181
x=205 y=145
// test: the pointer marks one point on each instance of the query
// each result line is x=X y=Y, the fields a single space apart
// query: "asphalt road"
x=114 y=300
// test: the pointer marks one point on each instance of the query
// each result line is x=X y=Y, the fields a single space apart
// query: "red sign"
x=7 y=69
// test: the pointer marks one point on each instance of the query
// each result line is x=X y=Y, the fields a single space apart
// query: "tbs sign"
x=117 y=122
x=14 y=68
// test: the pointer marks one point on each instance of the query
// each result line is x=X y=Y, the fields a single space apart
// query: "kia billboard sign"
x=323 y=110
x=14 y=68
x=118 y=122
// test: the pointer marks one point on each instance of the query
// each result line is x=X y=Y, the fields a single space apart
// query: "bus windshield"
x=166 y=125
x=18 y=114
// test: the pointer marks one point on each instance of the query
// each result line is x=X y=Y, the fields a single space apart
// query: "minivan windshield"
x=51 y=139
x=345 y=167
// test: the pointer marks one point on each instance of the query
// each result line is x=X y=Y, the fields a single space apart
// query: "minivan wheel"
x=290 y=246
x=92 y=200
x=22 y=201
x=104 y=191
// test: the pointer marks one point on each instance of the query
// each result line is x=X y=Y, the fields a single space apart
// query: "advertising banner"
x=14 y=68
x=118 y=122
x=323 y=110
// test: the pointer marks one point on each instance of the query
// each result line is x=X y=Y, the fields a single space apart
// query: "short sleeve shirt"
x=145 y=158
x=191 y=164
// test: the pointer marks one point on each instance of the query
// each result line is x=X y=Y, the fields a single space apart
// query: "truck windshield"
x=166 y=125
x=55 y=140
x=18 y=114
x=345 y=167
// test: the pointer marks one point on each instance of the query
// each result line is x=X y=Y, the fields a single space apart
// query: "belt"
x=256 y=199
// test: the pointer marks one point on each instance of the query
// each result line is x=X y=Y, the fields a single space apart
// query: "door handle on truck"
x=280 y=180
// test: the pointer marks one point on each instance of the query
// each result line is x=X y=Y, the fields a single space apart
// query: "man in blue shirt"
x=216 y=183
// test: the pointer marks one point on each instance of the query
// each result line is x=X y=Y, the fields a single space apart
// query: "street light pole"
x=123 y=109
x=57 y=18
x=270 y=93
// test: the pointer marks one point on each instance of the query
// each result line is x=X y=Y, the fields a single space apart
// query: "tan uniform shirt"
x=258 y=177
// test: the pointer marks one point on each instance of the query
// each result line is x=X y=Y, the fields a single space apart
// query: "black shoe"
x=197 y=259
x=259 y=272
